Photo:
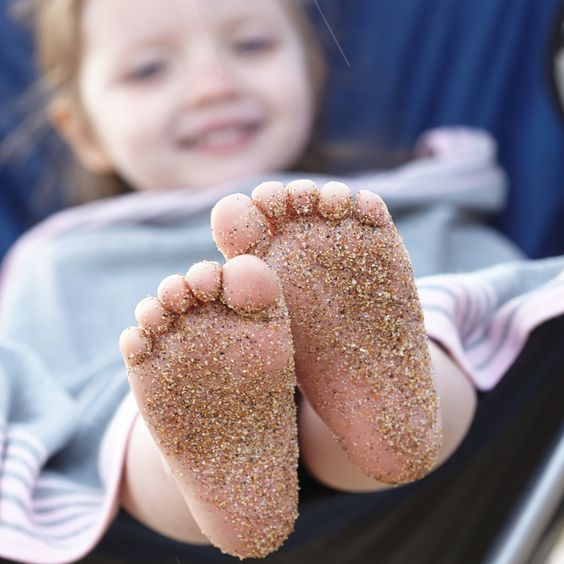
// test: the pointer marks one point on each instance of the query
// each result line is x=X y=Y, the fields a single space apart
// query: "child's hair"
x=58 y=46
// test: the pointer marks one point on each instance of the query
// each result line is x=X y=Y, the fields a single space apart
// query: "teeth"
x=221 y=137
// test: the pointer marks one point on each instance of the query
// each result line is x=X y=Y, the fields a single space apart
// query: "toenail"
x=134 y=344
x=204 y=279
x=175 y=293
x=303 y=195
x=271 y=198
x=151 y=314
x=335 y=200
x=238 y=225
x=371 y=209
x=249 y=285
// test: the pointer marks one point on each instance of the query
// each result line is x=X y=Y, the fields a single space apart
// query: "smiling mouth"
x=222 y=140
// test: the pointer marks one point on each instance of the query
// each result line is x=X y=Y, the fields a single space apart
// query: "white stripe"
x=506 y=315
x=19 y=546
x=527 y=315
x=485 y=302
x=28 y=438
x=14 y=515
x=21 y=451
x=45 y=506
x=19 y=465
x=62 y=512
x=15 y=487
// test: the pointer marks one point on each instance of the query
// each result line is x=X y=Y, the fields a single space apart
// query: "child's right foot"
x=362 y=358
x=211 y=368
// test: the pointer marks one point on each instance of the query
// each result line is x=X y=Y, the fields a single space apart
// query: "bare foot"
x=211 y=368
x=362 y=357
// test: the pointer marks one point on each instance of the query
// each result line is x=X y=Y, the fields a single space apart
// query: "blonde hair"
x=56 y=29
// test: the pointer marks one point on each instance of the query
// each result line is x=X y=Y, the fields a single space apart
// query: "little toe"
x=249 y=285
x=335 y=200
x=371 y=209
x=303 y=196
x=271 y=198
x=134 y=345
x=151 y=315
x=238 y=226
x=204 y=279
x=174 y=293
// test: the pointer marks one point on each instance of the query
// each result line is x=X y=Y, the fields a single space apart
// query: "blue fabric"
x=415 y=64
x=17 y=183
x=419 y=64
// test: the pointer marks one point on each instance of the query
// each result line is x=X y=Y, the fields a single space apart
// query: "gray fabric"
x=66 y=302
x=67 y=294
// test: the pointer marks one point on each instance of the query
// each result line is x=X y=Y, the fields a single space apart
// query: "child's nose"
x=211 y=79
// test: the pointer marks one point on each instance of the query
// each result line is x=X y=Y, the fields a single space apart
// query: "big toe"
x=238 y=226
x=249 y=284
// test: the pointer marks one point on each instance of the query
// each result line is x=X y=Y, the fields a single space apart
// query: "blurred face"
x=182 y=93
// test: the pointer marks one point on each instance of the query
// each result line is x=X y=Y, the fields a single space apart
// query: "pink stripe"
x=485 y=306
x=531 y=314
x=492 y=335
x=533 y=309
x=28 y=438
x=14 y=487
x=18 y=546
x=114 y=446
x=455 y=141
x=456 y=305
x=55 y=500
x=480 y=353
x=2 y=447
x=426 y=183
x=440 y=329
x=113 y=451
x=15 y=466
x=22 y=452
x=43 y=518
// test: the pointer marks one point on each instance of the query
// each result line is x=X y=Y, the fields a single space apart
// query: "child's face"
x=182 y=93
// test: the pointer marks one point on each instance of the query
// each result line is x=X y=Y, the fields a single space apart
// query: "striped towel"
x=69 y=287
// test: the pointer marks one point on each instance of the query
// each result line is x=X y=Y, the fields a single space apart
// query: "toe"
x=371 y=209
x=134 y=345
x=204 y=279
x=151 y=315
x=303 y=196
x=335 y=200
x=271 y=198
x=249 y=285
x=174 y=293
x=238 y=226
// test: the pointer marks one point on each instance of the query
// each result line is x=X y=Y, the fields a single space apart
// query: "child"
x=177 y=103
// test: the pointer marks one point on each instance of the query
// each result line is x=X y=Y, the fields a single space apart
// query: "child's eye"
x=254 y=46
x=147 y=72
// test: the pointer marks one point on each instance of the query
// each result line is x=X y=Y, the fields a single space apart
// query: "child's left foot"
x=362 y=357
x=211 y=368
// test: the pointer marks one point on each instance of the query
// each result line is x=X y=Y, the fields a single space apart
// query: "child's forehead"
x=128 y=20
